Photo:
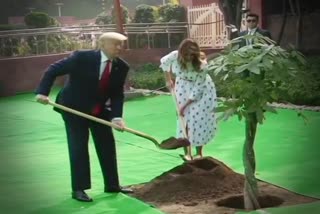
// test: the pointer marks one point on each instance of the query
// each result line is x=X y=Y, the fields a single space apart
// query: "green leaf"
x=241 y=68
x=301 y=59
x=225 y=77
x=254 y=69
x=235 y=47
x=220 y=109
x=213 y=67
x=228 y=113
x=218 y=70
x=267 y=63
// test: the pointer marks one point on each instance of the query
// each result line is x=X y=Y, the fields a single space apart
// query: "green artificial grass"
x=34 y=173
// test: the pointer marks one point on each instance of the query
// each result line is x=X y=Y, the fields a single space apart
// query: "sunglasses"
x=251 y=20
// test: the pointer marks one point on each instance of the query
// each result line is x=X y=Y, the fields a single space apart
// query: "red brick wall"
x=22 y=74
x=203 y=2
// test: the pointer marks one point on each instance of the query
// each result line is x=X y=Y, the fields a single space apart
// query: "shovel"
x=168 y=144
x=182 y=123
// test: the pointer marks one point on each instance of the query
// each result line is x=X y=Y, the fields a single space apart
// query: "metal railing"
x=28 y=42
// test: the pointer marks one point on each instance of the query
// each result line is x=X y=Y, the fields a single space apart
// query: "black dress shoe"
x=80 y=195
x=119 y=189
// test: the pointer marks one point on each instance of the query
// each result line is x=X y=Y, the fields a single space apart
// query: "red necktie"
x=103 y=85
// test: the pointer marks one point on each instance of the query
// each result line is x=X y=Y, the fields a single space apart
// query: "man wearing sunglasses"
x=253 y=29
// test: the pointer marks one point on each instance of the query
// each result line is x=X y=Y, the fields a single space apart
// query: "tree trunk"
x=293 y=11
x=225 y=7
x=284 y=21
x=299 y=25
x=250 y=192
x=232 y=12
x=119 y=14
x=238 y=12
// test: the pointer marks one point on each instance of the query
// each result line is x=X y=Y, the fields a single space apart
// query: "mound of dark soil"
x=208 y=186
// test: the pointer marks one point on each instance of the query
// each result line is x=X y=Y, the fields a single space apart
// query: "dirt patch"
x=238 y=203
x=207 y=186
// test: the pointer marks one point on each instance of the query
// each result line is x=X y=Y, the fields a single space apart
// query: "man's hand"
x=42 y=99
x=119 y=122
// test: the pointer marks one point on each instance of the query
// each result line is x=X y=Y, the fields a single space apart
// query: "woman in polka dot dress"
x=195 y=93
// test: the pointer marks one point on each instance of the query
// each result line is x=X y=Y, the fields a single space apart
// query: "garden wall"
x=22 y=74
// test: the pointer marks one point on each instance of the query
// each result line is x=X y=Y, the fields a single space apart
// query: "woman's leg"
x=187 y=153
x=187 y=150
x=199 y=151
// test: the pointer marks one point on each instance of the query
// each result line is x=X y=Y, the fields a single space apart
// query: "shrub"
x=145 y=14
x=106 y=18
x=23 y=48
x=305 y=89
x=38 y=20
x=103 y=19
x=148 y=76
x=172 y=13
x=9 y=46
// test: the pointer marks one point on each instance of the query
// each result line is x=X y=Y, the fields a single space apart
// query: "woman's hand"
x=170 y=81
x=183 y=108
x=170 y=84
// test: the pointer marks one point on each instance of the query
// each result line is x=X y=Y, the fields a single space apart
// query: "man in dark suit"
x=253 y=29
x=95 y=86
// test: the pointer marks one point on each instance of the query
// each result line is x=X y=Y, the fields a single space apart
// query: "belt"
x=186 y=79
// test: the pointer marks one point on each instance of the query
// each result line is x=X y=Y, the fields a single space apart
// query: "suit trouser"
x=77 y=129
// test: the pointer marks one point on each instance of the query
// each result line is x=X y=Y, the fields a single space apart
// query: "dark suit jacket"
x=259 y=30
x=81 y=89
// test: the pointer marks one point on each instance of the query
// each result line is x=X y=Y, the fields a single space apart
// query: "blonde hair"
x=112 y=37
x=189 y=46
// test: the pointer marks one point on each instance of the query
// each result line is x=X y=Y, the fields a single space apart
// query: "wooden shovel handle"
x=104 y=122
x=181 y=119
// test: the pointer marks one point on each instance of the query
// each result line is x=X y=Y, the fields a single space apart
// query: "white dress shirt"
x=103 y=64
x=251 y=32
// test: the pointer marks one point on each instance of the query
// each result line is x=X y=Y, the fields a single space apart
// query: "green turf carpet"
x=311 y=208
x=34 y=164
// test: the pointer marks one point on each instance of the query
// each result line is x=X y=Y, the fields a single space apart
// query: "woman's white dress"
x=190 y=84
